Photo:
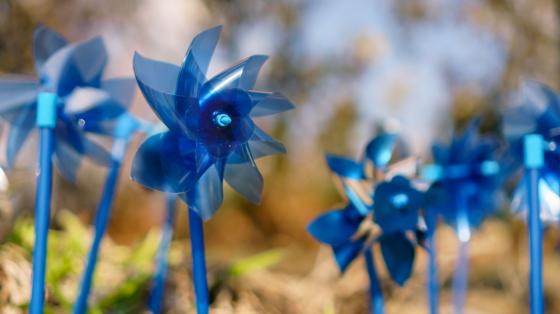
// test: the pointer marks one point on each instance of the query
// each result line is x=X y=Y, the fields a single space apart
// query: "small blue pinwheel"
x=211 y=136
x=466 y=181
x=537 y=112
x=462 y=170
x=86 y=103
x=394 y=203
x=211 y=133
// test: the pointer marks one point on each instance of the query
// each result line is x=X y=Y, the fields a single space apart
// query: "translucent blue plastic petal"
x=79 y=64
x=207 y=195
x=100 y=119
x=165 y=162
x=159 y=76
x=265 y=103
x=549 y=191
x=90 y=58
x=121 y=90
x=197 y=59
x=96 y=152
x=157 y=82
x=380 y=150
x=246 y=179
x=346 y=253
x=45 y=43
x=16 y=92
x=241 y=76
x=334 y=227
x=398 y=253
x=345 y=167
x=67 y=160
x=21 y=126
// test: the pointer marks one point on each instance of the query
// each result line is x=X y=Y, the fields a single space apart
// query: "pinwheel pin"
x=531 y=127
x=395 y=205
x=466 y=176
x=67 y=100
x=211 y=136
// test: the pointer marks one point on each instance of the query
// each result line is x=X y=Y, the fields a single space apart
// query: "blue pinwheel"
x=211 y=135
x=466 y=178
x=86 y=103
x=67 y=100
x=395 y=208
x=537 y=112
x=531 y=128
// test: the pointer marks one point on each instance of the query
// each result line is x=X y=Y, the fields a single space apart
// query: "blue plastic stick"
x=199 y=262
x=534 y=160
x=461 y=275
x=46 y=121
x=433 y=281
x=376 y=294
x=156 y=296
x=101 y=222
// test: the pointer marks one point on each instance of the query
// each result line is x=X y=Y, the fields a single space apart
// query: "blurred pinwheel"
x=211 y=133
x=466 y=180
x=86 y=103
x=395 y=208
x=536 y=112
x=464 y=168
x=532 y=129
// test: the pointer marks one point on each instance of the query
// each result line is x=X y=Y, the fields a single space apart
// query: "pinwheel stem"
x=433 y=281
x=101 y=222
x=461 y=276
x=377 y=304
x=199 y=262
x=156 y=296
x=534 y=160
x=46 y=121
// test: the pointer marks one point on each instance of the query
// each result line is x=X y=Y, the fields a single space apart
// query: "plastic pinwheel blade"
x=265 y=104
x=16 y=92
x=380 y=150
x=196 y=62
x=166 y=162
x=207 y=195
x=549 y=192
x=246 y=180
x=345 y=168
x=346 y=253
x=398 y=253
x=45 y=43
x=334 y=227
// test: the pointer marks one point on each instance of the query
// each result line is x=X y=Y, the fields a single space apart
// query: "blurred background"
x=352 y=68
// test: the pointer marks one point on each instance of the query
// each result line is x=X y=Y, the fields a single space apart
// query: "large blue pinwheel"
x=466 y=178
x=395 y=209
x=532 y=127
x=86 y=103
x=211 y=135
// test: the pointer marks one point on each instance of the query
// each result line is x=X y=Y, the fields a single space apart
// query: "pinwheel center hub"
x=221 y=119
x=399 y=200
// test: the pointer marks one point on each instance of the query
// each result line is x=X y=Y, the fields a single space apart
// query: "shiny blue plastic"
x=156 y=294
x=125 y=126
x=396 y=210
x=211 y=134
x=86 y=103
x=464 y=193
x=42 y=219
